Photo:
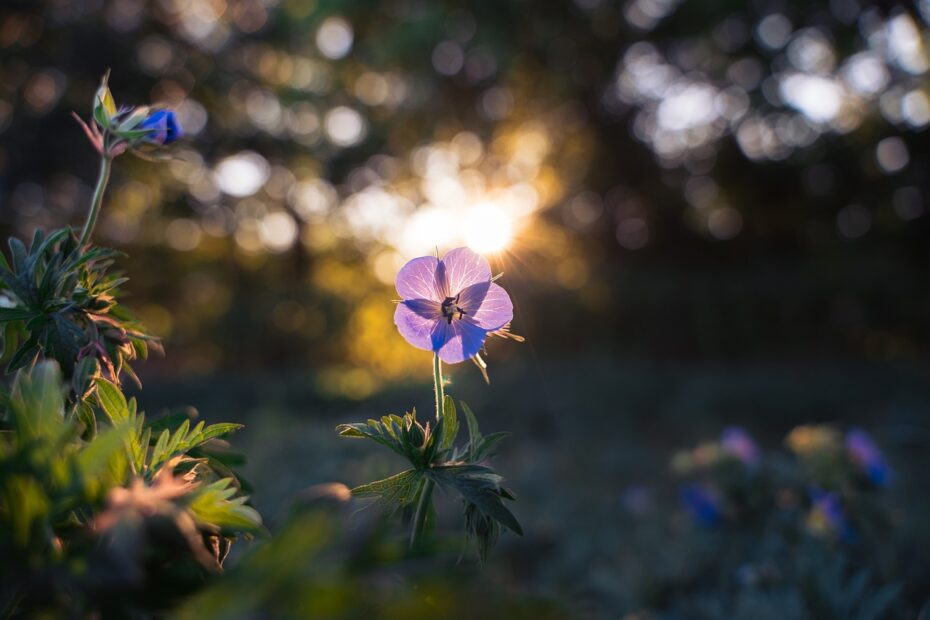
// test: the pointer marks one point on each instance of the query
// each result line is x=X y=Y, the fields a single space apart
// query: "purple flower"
x=449 y=306
x=736 y=441
x=702 y=504
x=866 y=454
x=827 y=515
x=164 y=127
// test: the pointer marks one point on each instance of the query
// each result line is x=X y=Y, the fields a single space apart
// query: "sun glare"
x=487 y=228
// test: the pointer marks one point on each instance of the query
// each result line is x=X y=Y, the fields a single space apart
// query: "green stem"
x=419 y=518
x=102 y=181
x=437 y=385
x=426 y=491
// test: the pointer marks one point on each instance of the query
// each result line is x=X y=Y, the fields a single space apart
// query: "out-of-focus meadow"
x=707 y=213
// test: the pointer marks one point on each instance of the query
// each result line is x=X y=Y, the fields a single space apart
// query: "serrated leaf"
x=480 y=486
x=178 y=439
x=400 y=489
x=159 y=451
x=218 y=430
x=212 y=508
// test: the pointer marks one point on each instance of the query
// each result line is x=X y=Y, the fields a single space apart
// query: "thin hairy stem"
x=426 y=490
x=97 y=201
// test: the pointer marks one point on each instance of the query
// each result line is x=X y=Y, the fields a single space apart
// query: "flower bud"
x=104 y=105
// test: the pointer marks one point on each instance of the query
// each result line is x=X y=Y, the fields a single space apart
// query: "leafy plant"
x=436 y=460
x=101 y=510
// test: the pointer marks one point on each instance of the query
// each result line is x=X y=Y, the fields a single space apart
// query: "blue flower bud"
x=163 y=127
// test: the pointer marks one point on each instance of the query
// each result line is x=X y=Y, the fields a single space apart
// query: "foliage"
x=436 y=460
x=101 y=510
x=316 y=567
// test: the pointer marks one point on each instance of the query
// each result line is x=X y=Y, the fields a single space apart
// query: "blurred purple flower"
x=449 y=306
x=866 y=454
x=737 y=442
x=702 y=504
x=828 y=516
x=164 y=127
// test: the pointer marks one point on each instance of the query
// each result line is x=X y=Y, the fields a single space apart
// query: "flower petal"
x=487 y=304
x=157 y=124
x=464 y=268
x=174 y=128
x=421 y=278
x=415 y=320
x=463 y=343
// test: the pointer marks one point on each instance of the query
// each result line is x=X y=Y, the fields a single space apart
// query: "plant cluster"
x=777 y=535
x=102 y=509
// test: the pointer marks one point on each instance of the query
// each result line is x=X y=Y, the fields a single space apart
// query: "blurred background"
x=707 y=213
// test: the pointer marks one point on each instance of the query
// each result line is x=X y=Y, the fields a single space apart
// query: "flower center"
x=450 y=307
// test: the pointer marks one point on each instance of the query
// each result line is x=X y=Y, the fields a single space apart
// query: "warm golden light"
x=487 y=228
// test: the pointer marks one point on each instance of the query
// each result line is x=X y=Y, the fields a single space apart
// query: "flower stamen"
x=450 y=307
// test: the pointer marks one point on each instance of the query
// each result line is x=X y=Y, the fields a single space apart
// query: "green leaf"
x=386 y=433
x=218 y=430
x=24 y=356
x=37 y=402
x=19 y=254
x=102 y=454
x=487 y=444
x=85 y=415
x=450 y=424
x=474 y=434
x=399 y=490
x=15 y=314
x=39 y=246
x=212 y=506
x=83 y=378
x=113 y=402
x=159 y=451
x=480 y=486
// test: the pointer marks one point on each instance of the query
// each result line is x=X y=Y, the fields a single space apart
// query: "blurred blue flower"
x=702 y=504
x=827 y=516
x=737 y=442
x=864 y=452
x=163 y=125
x=450 y=305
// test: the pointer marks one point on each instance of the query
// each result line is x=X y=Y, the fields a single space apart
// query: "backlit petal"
x=464 y=268
x=465 y=342
x=416 y=320
x=487 y=304
x=421 y=278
